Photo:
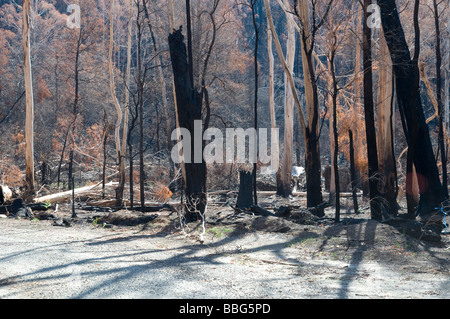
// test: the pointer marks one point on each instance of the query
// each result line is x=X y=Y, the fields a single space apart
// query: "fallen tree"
x=92 y=190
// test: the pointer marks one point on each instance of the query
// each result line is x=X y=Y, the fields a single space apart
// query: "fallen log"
x=253 y=210
x=92 y=190
x=157 y=208
x=303 y=194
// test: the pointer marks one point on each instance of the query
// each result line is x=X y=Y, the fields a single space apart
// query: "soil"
x=236 y=255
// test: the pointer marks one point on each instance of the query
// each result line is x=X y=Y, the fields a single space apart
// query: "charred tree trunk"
x=314 y=196
x=410 y=104
x=372 y=154
x=309 y=126
x=189 y=109
x=189 y=40
x=313 y=172
x=335 y=139
x=255 y=106
x=44 y=173
x=141 y=80
x=244 y=198
x=353 y=173
x=439 y=99
x=74 y=110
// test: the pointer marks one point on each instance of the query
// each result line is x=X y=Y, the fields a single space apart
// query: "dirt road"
x=38 y=260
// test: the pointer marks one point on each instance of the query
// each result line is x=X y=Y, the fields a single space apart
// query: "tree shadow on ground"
x=187 y=253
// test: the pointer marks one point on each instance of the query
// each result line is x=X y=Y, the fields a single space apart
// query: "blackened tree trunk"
x=189 y=109
x=141 y=79
x=44 y=171
x=309 y=126
x=439 y=98
x=314 y=196
x=372 y=154
x=416 y=130
x=255 y=106
x=75 y=109
x=313 y=172
x=245 y=199
x=335 y=143
x=352 y=172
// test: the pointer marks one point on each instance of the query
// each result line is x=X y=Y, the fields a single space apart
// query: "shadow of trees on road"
x=115 y=261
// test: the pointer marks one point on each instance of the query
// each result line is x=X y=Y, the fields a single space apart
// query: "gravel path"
x=38 y=260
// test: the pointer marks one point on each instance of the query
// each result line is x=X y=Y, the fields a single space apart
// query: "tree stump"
x=245 y=195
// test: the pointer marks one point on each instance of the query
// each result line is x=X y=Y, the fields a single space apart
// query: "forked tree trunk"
x=408 y=96
x=122 y=176
x=189 y=109
x=312 y=160
x=310 y=129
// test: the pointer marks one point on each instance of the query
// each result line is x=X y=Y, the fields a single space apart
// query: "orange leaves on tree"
x=162 y=193
x=19 y=139
x=10 y=174
x=42 y=91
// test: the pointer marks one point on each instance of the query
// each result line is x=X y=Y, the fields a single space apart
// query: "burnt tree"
x=407 y=81
x=372 y=154
x=245 y=199
x=189 y=109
